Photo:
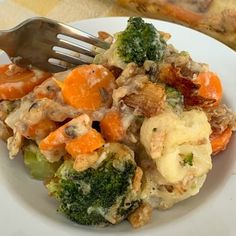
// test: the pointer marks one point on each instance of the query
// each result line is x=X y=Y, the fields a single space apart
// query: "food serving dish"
x=26 y=203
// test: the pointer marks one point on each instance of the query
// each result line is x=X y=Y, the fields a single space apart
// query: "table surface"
x=13 y=12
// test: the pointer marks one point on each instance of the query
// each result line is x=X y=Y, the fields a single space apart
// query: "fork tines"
x=50 y=45
x=74 y=46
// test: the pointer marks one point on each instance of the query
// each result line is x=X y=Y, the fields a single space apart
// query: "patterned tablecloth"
x=13 y=12
x=219 y=20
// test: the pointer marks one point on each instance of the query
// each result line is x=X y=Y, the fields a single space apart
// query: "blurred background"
x=216 y=18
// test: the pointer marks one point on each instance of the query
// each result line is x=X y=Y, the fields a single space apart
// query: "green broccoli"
x=99 y=195
x=37 y=164
x=139 y=42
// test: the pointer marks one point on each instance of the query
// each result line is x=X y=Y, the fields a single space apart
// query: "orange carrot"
x=55 y=139
x=58 y=138
x=40 y=130
x=3 y=68
x=219 y=141
x=15 y=85
x=88 y=87
x=111 y=126
x=49 y=95
x=86 y=143
x=210 y=86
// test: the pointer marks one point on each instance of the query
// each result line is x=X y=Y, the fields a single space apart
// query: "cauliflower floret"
x=181 y=151
x=171 y=140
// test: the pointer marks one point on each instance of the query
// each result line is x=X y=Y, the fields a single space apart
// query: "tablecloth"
x=220 y=19
x=13 y=12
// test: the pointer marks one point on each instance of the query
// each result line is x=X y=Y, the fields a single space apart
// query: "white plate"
x=26 y=210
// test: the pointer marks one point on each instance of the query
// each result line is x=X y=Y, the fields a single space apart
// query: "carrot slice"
x=88 y=87
x=16 y=84
x=111 y=126
x=54 y=140
x=40 y=130
x=210 y=86
x=86 y=143
x=3 y=68
x=58 y=138
x=219 y=141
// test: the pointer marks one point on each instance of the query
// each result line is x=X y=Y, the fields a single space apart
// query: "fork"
x=44 y=43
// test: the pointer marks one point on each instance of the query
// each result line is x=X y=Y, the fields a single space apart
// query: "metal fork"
x=35 y=42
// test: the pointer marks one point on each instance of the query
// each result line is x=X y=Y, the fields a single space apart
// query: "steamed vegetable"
x=36 y=162
x=98 y=195
x=86 y=143
x=179 y=144
x=210 y=86
x=88 y=87
x=53 y=146
x=219 y=141
x=39 y=130
x=17 y=82
x=112 y=127
x=139 y=42
x=79 y=129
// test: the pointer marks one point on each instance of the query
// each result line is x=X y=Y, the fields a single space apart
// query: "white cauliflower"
x=181 y=151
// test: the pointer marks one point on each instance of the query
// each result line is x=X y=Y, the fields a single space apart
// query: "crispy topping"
x=221 y=117
x=137 y=179
x=172 y=76
x=84 y=161
x=148 y=101
x=141 y=216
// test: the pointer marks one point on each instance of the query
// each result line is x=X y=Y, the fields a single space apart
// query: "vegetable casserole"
x=134 y=131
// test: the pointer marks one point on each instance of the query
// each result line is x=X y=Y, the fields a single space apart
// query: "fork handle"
x=3 y=42
x=7 y=41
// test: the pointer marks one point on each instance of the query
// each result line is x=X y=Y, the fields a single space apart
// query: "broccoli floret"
x=98 y=195
x=139 y=42
x=36 y=162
